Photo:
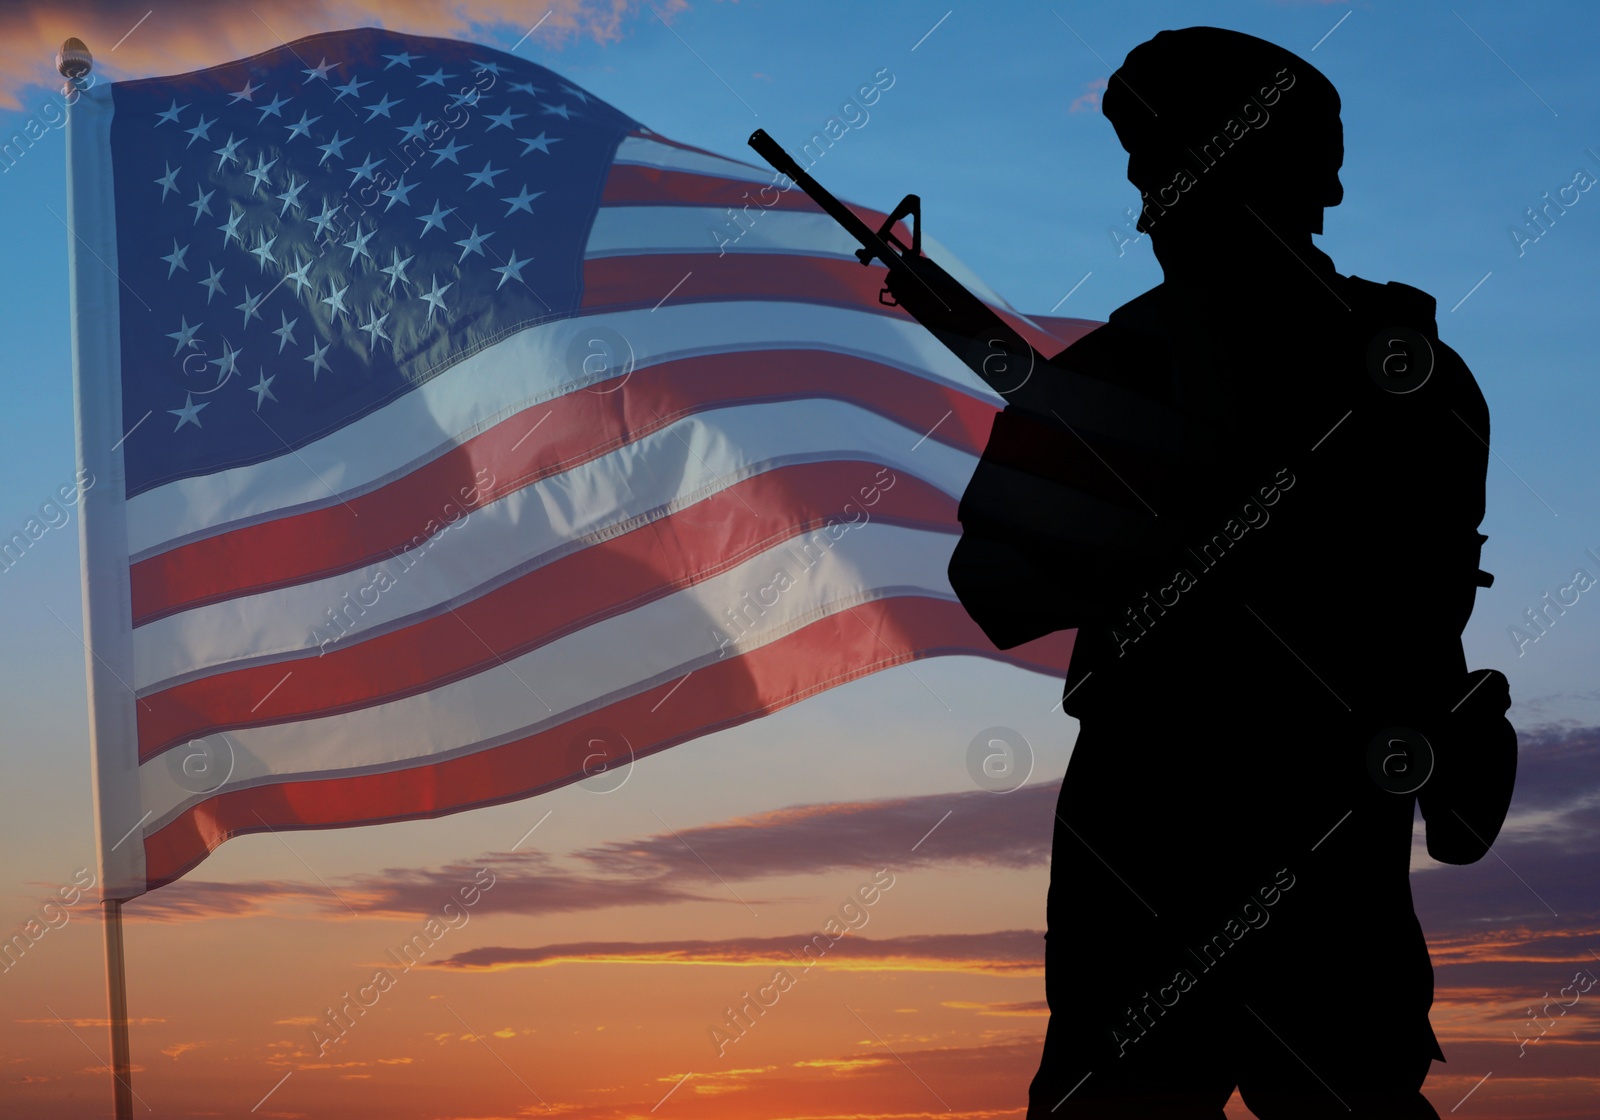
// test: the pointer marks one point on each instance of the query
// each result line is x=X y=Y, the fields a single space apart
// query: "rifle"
x=966 y=325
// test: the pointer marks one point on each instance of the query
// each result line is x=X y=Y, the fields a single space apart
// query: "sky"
x=598 y=954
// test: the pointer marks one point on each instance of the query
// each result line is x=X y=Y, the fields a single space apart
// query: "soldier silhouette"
x=1269 y=582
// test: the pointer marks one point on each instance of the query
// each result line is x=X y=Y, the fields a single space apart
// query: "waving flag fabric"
x=454 y=436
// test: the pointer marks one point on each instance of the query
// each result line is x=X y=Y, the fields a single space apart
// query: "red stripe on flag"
x=822 y=655
x=619 y=283
x=573 y=429
x=574 y=591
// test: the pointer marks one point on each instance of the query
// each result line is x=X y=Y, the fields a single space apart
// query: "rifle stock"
x=967 y=326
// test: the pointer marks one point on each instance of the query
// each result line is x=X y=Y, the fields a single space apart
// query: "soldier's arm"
x=1059 y=519
x=1017 y=591
x=1011 y=596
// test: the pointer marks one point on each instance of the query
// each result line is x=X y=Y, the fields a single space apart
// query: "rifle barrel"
x=967 y=326
x=773 y=153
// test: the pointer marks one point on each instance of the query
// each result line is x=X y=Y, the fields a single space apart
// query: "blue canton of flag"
x=310 y=235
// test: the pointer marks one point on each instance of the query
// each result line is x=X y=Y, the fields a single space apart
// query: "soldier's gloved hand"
x=1465 y=799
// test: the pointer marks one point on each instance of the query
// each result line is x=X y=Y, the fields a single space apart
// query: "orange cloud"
x=182 y=35
x=842 y=1065
x=1028 y=1007
x=89 y=1022
x=715 y=1082
x=1517 y=944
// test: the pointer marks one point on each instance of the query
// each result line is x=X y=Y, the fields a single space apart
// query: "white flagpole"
x=101 y=530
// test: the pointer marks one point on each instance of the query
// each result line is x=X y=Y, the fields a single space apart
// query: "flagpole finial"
x=74 y=62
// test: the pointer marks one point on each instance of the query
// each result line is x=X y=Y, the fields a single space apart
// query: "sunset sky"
x=612 y=928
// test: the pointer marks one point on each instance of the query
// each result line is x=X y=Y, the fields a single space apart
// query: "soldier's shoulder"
x=1143 y=314
x=1130 y=348
x=1399 y=304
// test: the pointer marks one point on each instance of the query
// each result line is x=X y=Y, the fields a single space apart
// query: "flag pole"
x=117 y=1002
x=74 y=63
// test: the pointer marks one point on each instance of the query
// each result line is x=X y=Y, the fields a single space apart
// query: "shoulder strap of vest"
x=1399 y=303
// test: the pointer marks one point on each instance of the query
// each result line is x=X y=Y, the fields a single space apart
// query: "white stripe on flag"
x=682 y=463
x=652 y=153
x=614 y=658
x=632 y=231
x=629 y=231
x=528 y=368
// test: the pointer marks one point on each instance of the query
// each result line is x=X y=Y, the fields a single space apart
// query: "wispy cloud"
x=976 y=828
x=1089 y=100
x=1025 y=1007
x=525 y=883
x=982 y=829
x=87 y=1022
x=1011 y=952
x=196 y=899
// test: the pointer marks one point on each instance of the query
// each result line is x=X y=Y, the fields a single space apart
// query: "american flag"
x=455 y=436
